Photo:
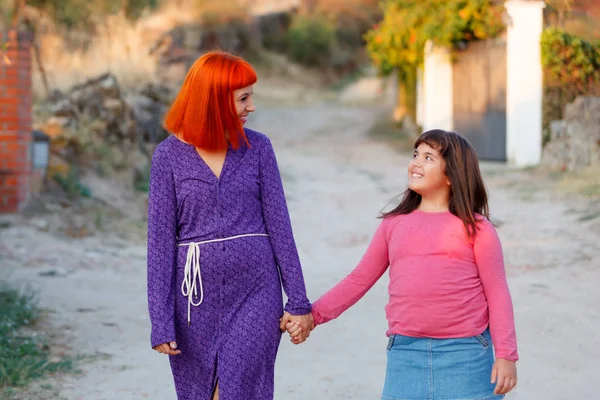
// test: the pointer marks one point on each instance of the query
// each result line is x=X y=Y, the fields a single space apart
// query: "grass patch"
x=24 y=355
x=347 y=80
x=585 y=182
x=589 y=217
x=391 y=133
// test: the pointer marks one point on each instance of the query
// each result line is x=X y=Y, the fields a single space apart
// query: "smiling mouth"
x=416 y=175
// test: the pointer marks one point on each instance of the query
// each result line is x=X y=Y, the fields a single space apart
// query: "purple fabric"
x=234 y=334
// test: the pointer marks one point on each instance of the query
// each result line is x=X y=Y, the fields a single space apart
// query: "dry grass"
x=361 y=10
x=260 y=7
x=118 y=45
x=389 y=132
x=585 y=182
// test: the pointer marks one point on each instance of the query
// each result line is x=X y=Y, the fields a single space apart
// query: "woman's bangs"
x=243 y=75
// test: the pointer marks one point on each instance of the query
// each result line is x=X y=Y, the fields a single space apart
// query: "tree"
x=562 y=8
x=12 y=17
x=591 y=7
x=398 y=42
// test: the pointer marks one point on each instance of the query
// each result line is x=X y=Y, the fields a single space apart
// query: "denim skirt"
x=439 y=369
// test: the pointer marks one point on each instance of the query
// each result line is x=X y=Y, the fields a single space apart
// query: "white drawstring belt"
x=192 y=278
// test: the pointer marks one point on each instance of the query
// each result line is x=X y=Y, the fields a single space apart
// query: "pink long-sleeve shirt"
x=442 y=284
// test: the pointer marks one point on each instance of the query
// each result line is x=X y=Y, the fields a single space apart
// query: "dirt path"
x=337 y=180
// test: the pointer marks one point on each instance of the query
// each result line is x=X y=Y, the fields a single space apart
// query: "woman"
x=219 y=237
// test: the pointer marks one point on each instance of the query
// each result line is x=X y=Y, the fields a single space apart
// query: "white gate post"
x=438 y=105
x=524 y=88
x=420 y=98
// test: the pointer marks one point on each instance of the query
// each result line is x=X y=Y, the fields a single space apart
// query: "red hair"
x=203 y=113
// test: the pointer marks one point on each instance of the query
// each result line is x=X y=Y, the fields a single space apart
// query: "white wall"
x=437 y=109
x=420 y=98
x=524 y=83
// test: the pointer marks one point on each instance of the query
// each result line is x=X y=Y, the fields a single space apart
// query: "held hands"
x=167 y=348
x=298 y=326
x=504 y=374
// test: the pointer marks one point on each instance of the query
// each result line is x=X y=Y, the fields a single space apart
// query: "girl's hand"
x=307 y=321
x=504 y=373
x=301 y=325
x=294 y=329
x=168 y=348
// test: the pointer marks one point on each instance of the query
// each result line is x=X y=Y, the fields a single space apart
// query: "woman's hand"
x=504 y=374
x=167 y=348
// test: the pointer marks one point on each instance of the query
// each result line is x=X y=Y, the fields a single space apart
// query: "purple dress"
x=233 y=334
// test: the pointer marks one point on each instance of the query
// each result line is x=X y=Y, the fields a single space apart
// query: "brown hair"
x=203 y=114
x=468 y=194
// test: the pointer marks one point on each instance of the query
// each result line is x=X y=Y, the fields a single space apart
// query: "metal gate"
x=480 y=97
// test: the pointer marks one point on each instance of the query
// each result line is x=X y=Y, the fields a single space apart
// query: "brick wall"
x=15 y=121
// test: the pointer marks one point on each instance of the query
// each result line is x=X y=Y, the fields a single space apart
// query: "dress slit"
x=215 y=378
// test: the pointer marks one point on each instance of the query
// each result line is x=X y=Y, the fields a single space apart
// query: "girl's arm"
x=355 y=285
x=162 y=227
x=279 y=228
x=490 y=263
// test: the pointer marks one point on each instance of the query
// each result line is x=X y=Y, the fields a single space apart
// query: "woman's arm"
x=162 y=228
x=490 y=263
x=279 y=228
x=355 y=285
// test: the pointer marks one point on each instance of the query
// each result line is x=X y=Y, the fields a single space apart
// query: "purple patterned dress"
x=236 y=302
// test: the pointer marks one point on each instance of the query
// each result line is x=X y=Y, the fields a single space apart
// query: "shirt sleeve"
x=355 y=285
x=279 y=229
x=490 y=263
x=162 y=226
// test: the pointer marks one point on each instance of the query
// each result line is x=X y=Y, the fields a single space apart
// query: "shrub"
x=571 y=68
x=310 y=40
x=23 y=356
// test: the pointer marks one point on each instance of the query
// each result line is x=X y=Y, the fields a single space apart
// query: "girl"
x=219 y=236
x=449 y=300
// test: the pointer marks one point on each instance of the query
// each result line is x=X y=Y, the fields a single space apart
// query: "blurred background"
x=345 y=87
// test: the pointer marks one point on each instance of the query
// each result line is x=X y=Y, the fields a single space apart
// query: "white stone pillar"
x=524 y=83
x=420 y=98
x=438 y=106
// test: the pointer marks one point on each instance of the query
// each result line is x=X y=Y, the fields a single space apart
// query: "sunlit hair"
x=468 y=195
x=203 y=113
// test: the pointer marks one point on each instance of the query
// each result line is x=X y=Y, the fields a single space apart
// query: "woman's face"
x=426 y=171
x=243 y=102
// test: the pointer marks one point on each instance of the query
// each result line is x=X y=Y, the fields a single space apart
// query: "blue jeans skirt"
x=439 y=369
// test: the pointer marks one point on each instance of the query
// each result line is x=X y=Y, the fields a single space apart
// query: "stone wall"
x=575 y=141
x=96 y=125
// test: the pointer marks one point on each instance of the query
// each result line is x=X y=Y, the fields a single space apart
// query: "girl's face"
x=243 y=102
x=426 y=171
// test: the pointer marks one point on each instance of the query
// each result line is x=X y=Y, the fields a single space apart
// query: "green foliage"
x=22 y=356
x=17 y=309
x=81 y=13
x=330 y=35
x=571 y=68
x=399 y=40
x=3 y=56
x=569 y=60
x=310 y=39
x=142 y=179
x=71 y=184
x=133 y=9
